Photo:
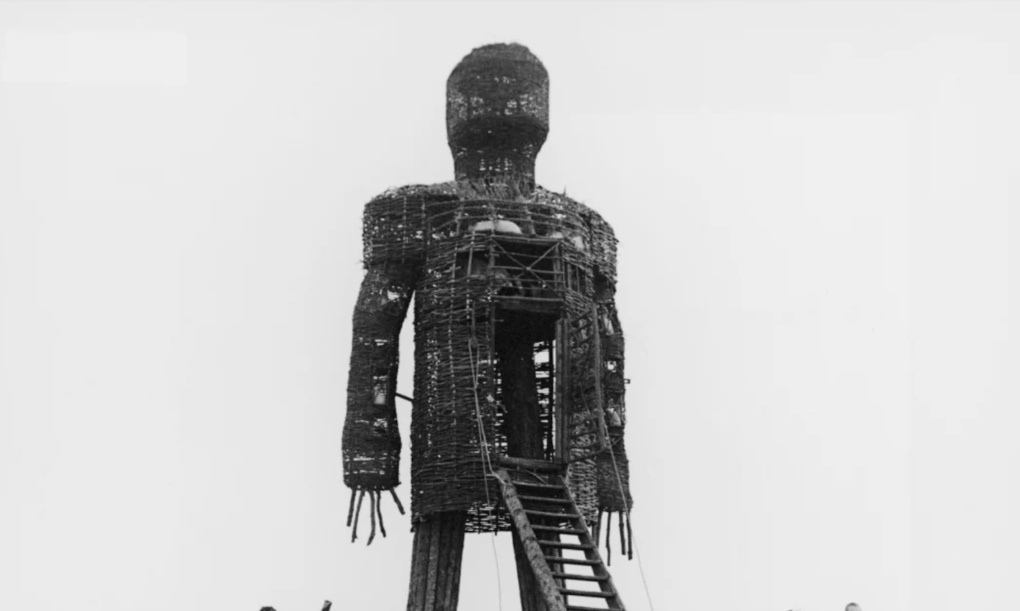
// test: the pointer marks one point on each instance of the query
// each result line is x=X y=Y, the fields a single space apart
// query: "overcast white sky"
x=813 y=202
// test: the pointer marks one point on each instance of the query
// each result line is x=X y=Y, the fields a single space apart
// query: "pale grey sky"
x=813 y=202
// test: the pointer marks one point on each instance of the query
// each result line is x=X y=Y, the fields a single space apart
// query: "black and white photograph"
x=509 y=305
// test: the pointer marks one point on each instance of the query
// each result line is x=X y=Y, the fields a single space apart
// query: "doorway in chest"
x=525 y=280
x=525 y=348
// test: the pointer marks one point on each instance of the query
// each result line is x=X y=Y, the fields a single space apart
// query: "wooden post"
x=562 y=403
x=436 y=562
x=597 y=366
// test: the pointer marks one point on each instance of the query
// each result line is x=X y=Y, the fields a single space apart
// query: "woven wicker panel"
x=455 y=246
x=613 y=475
x=614 y=495
x=393 y=256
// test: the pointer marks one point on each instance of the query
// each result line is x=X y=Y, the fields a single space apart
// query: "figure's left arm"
x=614 y=472
x=613 y=466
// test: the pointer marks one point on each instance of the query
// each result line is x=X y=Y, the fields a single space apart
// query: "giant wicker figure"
x=518 y=410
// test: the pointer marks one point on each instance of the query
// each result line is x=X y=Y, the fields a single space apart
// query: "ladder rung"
x=552 y=514
x=573 y=608
x=570 y=592
x=580 y=577
x=564 y=560
x=530 y=463
x=537 y=485
x=557 y=529
x=544 y=499
x=561 y=545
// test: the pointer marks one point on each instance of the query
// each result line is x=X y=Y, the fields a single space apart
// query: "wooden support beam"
x=598 y=367
x=436 y=562
x=530 y=463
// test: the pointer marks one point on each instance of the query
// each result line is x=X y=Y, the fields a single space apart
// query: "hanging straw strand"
x=630 y=539
x=378 y=510
x=357 y=514
x=350 y=511
x=609 y=532
x=397 y=501
x=623 y=540
x=371 y=511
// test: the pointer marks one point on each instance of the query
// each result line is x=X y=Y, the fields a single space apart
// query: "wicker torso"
x=444 y=243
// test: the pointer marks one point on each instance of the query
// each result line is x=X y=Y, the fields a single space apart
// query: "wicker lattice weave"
x=433 y=241
x=497 y=112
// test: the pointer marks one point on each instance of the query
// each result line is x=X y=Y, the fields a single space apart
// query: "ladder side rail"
x=536 y=557
x=592 y=553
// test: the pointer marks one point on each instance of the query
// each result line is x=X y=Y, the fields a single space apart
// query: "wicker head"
x=497 y=112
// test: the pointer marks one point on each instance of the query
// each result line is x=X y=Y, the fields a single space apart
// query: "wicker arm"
x=371 y=440
x=614 y=473
x=613 y=466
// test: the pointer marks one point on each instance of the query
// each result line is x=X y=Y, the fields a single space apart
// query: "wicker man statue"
x=518 y=412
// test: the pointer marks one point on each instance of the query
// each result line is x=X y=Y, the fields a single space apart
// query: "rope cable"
x=486 y=459
x=641 y=567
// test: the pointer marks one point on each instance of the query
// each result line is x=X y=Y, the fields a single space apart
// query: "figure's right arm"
x=371 y=440
x=393 y=262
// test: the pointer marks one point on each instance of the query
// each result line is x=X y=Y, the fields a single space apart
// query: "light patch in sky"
x=95 y=58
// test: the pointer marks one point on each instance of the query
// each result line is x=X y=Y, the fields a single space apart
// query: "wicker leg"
x=435 y=565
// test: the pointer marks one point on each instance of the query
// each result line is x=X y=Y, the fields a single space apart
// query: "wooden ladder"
x=544 y=513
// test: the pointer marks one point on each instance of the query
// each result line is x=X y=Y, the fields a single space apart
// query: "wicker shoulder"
x=393 y=224
x=601 y=236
